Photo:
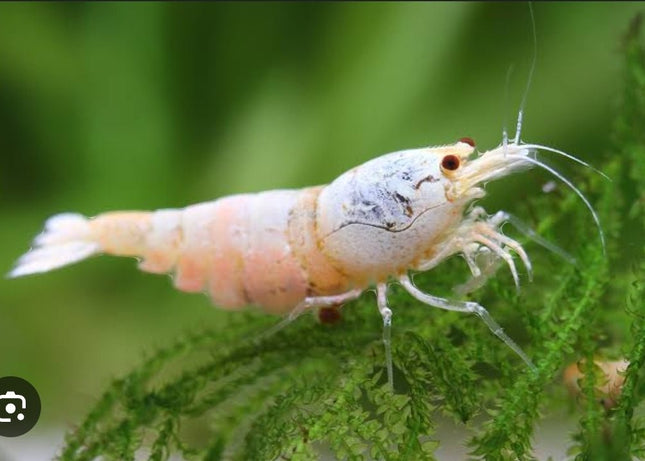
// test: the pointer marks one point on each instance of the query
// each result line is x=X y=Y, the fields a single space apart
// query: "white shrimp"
x=288 y=251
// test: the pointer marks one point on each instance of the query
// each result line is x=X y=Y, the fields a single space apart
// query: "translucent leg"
x=469 y=253
x=386 y=313
x=309 y=303
x=499 y=251
x=489 y=266
x=509 y=242
x=530 y=233
x=469 y=307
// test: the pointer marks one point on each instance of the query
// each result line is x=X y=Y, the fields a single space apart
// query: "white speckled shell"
x=378 y=218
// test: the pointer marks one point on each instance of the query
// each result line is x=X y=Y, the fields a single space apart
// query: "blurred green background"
x=141 y=106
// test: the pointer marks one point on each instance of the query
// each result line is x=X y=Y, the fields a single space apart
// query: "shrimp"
x=610 y=382
x=288 y=251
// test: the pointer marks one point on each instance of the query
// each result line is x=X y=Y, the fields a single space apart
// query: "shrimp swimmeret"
x=288 y=251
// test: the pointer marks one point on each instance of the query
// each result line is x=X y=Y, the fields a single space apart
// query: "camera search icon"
x=19 y=406
x=10 y=407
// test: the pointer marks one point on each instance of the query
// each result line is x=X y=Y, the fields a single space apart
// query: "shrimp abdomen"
x=260 y=249
x=239 y=250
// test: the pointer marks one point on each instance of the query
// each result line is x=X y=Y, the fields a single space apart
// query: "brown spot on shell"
x=428 y=178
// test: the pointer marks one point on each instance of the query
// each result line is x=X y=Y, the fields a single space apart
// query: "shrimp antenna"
x=569 y=156
x=505 y=126
x=520 y=114
x=573 y=188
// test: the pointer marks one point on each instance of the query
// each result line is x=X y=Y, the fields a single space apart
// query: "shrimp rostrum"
x=288 y=251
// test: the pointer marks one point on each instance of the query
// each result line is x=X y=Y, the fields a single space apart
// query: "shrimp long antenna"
x=569 y=156
x=573 y=188
x=520 y=114
x=505 y=126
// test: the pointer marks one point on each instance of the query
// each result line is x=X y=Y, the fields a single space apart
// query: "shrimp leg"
x=311 y=303
x=468 y=307
x=480 y=233
x=386 y=313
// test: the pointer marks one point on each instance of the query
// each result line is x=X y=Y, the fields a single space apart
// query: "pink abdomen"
x=237 y=249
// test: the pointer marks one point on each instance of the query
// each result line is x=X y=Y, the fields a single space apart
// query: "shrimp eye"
x=450 y=162
x=468 y=141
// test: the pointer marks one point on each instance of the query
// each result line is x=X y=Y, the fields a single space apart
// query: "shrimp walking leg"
x=502 y=253
x=312 y=303
x=468 y=307
x=486 y=266
x=480 y=234
x=486 y=230
x=386 y=313
x=488 y=239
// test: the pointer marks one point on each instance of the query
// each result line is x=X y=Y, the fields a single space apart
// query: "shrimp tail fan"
x=66 y=239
